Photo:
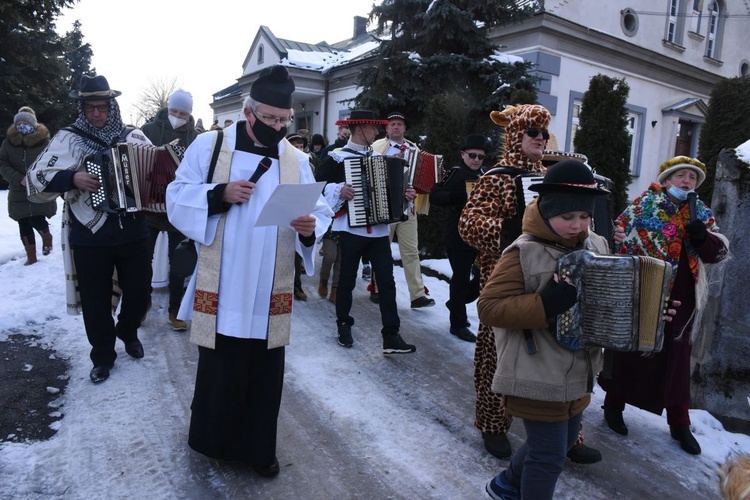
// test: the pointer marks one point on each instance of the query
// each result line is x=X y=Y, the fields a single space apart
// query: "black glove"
x=558 y=297
x=697 y=232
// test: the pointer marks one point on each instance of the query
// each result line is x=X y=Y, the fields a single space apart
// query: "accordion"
x=379 y=184
x=133 y=177
x=621 y=301
x=425 y=170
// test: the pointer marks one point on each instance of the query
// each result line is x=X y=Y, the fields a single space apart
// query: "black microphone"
x=262 y=168
x=692 y=197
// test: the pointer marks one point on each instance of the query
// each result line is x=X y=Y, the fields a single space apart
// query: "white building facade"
x=670 y=52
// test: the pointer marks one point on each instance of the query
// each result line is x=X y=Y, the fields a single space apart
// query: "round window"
x=629 y=21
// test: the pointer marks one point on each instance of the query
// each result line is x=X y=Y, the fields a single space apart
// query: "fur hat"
x=475 y=141
x=516 y=120
x=93 y=88
x=25 y=114
x=679 y=162
x=568 y=186
x=181 y=100
x=361 y=117
x=274 y=87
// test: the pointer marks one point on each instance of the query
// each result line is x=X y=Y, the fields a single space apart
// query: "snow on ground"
x=404 y=423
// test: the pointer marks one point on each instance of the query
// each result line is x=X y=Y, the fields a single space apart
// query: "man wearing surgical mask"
x=172 y=122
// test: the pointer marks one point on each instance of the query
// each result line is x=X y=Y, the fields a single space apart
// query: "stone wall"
x=721 y=352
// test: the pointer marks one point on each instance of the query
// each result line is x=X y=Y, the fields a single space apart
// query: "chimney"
x=360 y=26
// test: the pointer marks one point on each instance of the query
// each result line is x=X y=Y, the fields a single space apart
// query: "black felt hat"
x=568 y=186
x=274 y=87
x=398 y=115
x=362 y=117
x=93 y=88
x=475 y=141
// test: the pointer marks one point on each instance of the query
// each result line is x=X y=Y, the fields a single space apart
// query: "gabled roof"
x=686 y=103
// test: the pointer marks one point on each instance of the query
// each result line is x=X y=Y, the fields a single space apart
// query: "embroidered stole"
x=206 y=301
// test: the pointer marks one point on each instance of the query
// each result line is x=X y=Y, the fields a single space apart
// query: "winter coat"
x=17 y=154
x=552 y=384
x=160 y=132
x=654 y=225
x=451 y=192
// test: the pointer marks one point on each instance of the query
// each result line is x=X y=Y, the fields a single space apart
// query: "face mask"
x=267 y=136
x=677 y=193
x=176 y=122
x=24 y=128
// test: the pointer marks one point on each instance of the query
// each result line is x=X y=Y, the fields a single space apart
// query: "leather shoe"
x=99 y=373
x=615 y=421
x=135 y=349
x=497 y=444
x=582 y=454
x=687 y=441
x=464 y=334
x=267 y=470
x=423 y=301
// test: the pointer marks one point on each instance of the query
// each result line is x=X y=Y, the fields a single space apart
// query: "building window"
x=695 y=25
x=633 y=126
x=260 y=54
x=713 y=31
x=629 y=22
x=672 y=21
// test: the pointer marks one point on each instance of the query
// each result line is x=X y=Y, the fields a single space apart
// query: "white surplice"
x=249 y=253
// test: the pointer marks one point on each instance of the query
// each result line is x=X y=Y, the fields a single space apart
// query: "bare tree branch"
x=153 y=98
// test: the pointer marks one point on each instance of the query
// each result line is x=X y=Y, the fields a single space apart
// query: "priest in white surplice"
x=240 y=296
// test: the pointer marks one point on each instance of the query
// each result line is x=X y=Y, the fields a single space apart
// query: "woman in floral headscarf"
x=658 y=224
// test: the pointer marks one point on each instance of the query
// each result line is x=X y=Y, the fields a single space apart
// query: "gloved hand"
x=558 y=297
x=697 y=232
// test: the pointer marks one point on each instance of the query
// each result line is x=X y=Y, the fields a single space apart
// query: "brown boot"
x=46 y=242
x=30 y=251
x=332 y=297
x=323 y=288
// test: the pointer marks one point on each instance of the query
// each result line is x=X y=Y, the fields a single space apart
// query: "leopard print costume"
x=492 y=201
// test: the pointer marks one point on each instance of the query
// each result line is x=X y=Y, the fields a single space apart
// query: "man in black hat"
x=452 y=192
x=100 y=242
x=221 y=187
x=356 y=242
x=395 y=144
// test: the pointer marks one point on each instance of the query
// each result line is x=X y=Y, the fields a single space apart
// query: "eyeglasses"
x=102 y=108
x=474 y=156
x=284 y=121
x=533 y=132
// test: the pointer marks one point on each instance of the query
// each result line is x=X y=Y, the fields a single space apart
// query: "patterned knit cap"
x=679 y=162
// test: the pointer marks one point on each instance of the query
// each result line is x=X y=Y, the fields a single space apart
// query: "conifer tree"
x=727 y=126
x=602 y=135
x=436 y=47
x=34 y=69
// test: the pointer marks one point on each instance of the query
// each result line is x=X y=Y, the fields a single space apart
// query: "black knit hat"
x=93 y=88
x=475 y=141
x=568 y=186
x=317 y=140
x=274 y=87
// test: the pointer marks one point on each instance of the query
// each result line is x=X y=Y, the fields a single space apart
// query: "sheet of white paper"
x=289 y=201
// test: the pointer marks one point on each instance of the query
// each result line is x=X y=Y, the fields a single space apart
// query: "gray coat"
x=17 y=153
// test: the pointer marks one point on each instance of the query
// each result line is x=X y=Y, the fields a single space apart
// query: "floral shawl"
x=655 y=226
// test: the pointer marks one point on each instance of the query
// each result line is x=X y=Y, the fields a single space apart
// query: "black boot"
x=687 y=441
x=497 y=444
x=615 y=421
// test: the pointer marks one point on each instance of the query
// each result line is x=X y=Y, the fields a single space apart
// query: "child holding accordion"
x=545 y=384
